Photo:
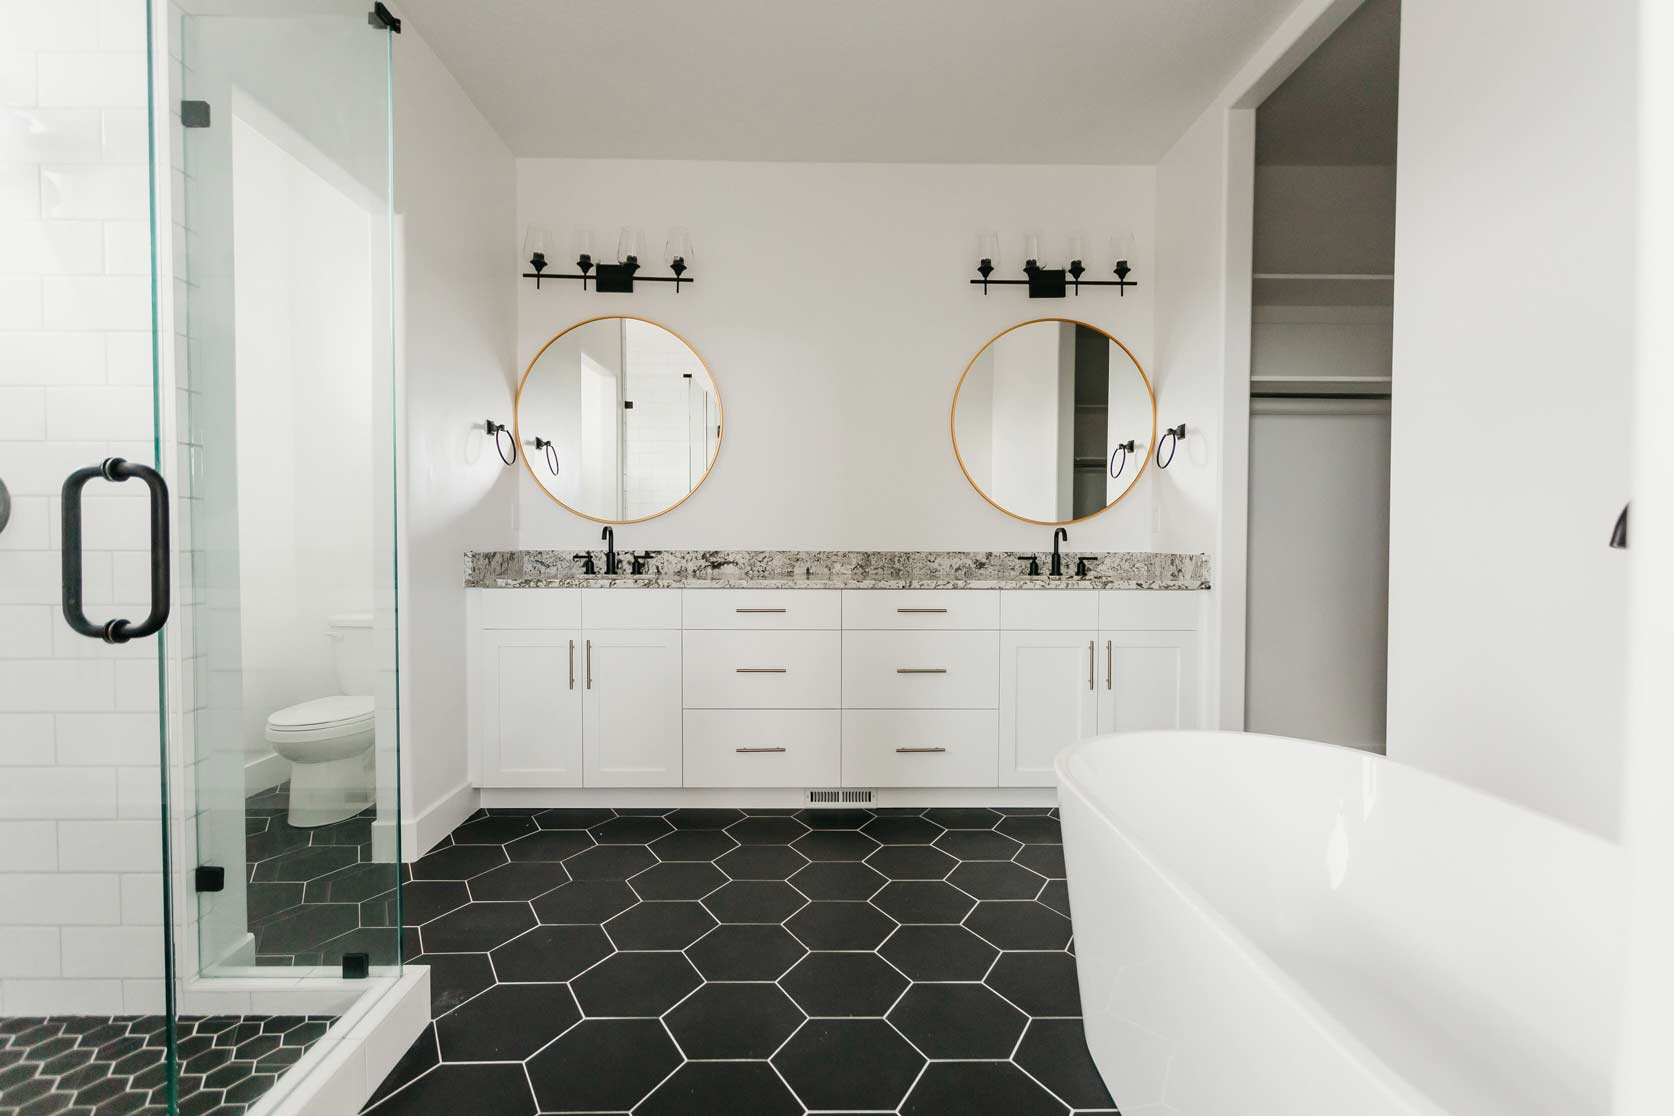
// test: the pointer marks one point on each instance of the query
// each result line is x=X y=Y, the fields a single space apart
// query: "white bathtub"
x=1266 y=925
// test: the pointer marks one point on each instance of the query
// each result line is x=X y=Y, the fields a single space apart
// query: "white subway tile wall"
x=80 y=883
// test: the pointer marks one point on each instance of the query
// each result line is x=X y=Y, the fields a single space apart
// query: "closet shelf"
x=1322 y=289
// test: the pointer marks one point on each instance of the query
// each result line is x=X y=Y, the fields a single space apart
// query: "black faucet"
x=641 y=563
x=1061 y=533
x=586 y=561
x=609 y=536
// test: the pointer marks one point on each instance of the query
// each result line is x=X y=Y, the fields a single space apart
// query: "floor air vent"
x=840 y=797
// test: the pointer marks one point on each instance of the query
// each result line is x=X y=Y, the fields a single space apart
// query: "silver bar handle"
x=1109 y=661
x=920 y=670
x=1091 y=664
x=914 y=611
x=758 y=749
x=753 y=610
x=761 y=670
x=589 y=664
x=572 y=664
x=921 y=749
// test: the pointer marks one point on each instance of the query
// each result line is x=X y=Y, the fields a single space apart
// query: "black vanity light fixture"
x=1044 y=282
x=503 y=440
x=1172 y=437
x=609 y=278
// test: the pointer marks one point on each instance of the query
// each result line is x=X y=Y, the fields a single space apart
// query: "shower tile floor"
x=85 y=1065
x=315 y=894
x=673 y=962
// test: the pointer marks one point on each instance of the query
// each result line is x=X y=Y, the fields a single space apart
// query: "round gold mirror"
x=1053 y=421
x=618 y=419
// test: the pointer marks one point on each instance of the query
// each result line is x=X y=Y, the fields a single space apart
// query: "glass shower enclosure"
x=199 y=732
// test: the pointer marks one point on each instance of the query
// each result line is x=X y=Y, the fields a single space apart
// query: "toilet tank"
x=351 y=649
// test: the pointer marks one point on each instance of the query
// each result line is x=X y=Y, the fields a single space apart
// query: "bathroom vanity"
x=843 y=673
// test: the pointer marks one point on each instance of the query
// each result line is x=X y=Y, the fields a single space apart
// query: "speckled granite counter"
x=838 y=569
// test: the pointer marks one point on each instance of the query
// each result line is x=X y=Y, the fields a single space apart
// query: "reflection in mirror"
x=627 y=417
x=1053 y=421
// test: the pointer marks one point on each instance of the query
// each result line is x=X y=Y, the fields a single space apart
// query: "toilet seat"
x=327 y=718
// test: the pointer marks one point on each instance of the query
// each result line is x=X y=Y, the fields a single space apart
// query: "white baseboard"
x=265 y=772
x=420 y=832
x=759 y=799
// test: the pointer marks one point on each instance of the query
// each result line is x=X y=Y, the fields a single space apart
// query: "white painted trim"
x=265 y=772
x=421 y=829
x=336 y=1078
x=756 y=799
x=1231 y=582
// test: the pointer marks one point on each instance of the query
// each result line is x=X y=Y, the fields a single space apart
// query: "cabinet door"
x=1148 y=681
x=631 y=707
x=530 y=707
x=1048 y=701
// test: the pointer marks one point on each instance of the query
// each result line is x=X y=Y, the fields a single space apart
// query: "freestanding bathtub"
x=1272 y=926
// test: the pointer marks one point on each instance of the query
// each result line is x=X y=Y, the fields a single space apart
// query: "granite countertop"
x=837 y=569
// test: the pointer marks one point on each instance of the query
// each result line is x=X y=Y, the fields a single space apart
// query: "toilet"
x=328 y=739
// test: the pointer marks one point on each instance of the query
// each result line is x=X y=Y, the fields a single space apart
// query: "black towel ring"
x=494 y=430
x=551 y=453
x=1171 y=438
x=1124 y=448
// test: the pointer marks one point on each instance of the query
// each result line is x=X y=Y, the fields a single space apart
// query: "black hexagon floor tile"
x=1032 y=830
x=630 y=830
x=549 y=953
x=848 y=925
x=678 y=881
x=1013 y=924
x=835 y=844
x=1056 y=895
x=476 y=928
x=1042 y=984
x=693 y=844
x=745 y=952
x=939 y=953
x=771 y=830
x=609 y=862
x=1048 y=860
x=837 y=879
x=565 y=817
x=731 y=1021
x=762 y=862
x=659 y=925
x=708 y=1088
x=958 y=1021
x=978 y=844
x=897 y=830
x=963 y=817
x=455 y=978
x=978 y=1089
x=454 y=1087
x=635 y=984
x=458 y=862
x=754 y=901
x=924 y=901
x=602 y=1065
x=912 y=862
x=849 y=1064
x=507 y=1023
x=515 y=882
x=834 y=819
x=1054 y=1052
x=700 y=818
x=585 y=901
x=844 y=984
x=991 y=880
x=549 y=844
x=493 y=830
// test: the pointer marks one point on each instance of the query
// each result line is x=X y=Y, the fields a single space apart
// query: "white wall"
x=1513 y=346
x=454 y=194
x=303 y=347
x=832 y=308
x=80 y=865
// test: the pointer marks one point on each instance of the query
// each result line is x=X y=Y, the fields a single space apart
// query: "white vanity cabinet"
x=817 y=688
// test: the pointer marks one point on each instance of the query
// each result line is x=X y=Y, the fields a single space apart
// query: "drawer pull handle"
x=749 y=610
x=761 y=670
x=589 y=664
x=921 y=670
x=1109 y=661
x=758 y=749
x=1090 y=664
x=921 y=749
x=572 y=664
x=911 y=611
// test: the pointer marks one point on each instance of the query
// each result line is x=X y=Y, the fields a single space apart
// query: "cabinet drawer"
x=920 y=747
x=529 y=608
x=921 y=608
x=630 y=608
x=921 y=670
x=1049 y=610
x=1149 y=610
x=763 y=747
x=763 y=609
x=762 y=670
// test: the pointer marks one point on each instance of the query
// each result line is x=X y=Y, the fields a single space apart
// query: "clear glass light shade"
x=537 y=244
x=988 y=247
x=1121 y=246
x=679 y=247
x=584 y=244
x=1078 y=246
x=1031 y=246
x=630 y=244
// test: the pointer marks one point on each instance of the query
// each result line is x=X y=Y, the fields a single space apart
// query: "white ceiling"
x=922 y=81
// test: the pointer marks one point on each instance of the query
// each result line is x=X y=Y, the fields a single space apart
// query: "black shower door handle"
x=116 y=631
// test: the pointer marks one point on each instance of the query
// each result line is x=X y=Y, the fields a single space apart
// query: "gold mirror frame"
x=953 y=427
x=517 y=411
